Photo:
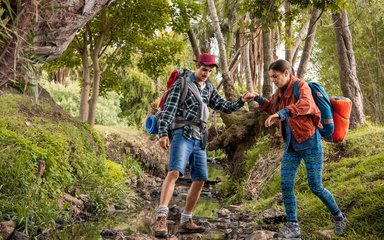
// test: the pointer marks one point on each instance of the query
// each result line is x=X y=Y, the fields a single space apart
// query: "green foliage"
x=206 y=208
x=216 y=154
x=232 y=191
x=68 y=97
x=74 y=163
x=158 y=53
x=356 y=181
x=183 y=12
x=262 y=146
x=137 y=92
x=365 y=141
x=133 y=167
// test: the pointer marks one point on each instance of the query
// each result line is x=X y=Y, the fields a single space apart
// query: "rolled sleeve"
x=259 y=99
x=283 y=114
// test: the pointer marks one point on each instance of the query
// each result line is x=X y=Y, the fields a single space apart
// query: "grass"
x=354 y=174
x=74 y=159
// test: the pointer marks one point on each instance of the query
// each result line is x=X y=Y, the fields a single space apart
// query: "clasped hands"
x=271 y=119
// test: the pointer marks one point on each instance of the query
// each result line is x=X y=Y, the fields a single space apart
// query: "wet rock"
x=176 y=193
x=195 y=236
x=174 y=213
x=7 y=228
x=140 y=236
x=261 y=235
x=112 y=234
x=206 y=194
x=73 y=200
x=278 y=198
x=84 y=197
x=248 y=230
x=234 y=208
x=19 y=236
x=245 y=217
x=273 y=216
x=224 y=213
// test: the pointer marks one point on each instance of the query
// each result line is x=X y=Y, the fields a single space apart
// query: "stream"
x=221 y=223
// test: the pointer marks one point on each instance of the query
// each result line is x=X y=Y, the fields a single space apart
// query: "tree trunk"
x=95 y=89
x=298 y=41
x=57 y=28
x=288 y=32
x=10 y=52
x=347 y=63
x=57 y=22
x=309 y=41
x=246 y=59
x=194 y=43
x=96 y=70
x=267 y=59
x=229 y=89
x=247 y=67
x=86 y=85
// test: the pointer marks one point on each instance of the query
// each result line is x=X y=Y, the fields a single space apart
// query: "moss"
x=74 y=159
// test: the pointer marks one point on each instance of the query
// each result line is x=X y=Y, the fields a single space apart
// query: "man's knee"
x=173 y=175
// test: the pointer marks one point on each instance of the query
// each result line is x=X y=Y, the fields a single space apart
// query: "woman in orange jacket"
x=299 y=121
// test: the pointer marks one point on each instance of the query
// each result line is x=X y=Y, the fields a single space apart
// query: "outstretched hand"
x=247 y=97
x=271 y=119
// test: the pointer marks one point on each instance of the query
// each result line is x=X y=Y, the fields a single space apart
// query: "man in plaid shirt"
x=187 y=124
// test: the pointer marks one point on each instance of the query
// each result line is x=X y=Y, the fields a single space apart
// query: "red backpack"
x=151 y=121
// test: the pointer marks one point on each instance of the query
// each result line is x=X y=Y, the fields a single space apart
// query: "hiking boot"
x=160 y=228
x=340 y=223
x=291 y=231
x=190 y=227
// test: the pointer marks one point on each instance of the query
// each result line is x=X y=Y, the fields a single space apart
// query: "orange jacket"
x=304 y=114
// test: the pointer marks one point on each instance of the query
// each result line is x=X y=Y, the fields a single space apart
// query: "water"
x=129 y=223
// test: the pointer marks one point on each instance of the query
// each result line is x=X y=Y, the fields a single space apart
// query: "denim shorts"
x=188 y=151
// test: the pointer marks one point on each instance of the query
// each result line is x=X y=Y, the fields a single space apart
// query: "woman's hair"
x=281 y=65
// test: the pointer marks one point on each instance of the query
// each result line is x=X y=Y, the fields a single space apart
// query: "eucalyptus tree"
x=347 y=66
x=310 y=39
x=229 y=90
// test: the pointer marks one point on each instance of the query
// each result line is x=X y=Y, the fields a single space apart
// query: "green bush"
x=68 y=97
x=74 y=163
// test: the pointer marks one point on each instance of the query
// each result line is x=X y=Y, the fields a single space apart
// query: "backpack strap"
x=296 y=89
x=184 y=89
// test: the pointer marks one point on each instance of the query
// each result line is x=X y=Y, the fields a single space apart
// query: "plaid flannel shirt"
x=190 y=108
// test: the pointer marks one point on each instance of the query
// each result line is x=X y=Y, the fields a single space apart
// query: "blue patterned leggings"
x=313 y=159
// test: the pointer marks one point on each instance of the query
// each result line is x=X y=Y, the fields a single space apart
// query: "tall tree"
x=309 y=41
x=347 y=67
x=267 y=60
x=229 y=89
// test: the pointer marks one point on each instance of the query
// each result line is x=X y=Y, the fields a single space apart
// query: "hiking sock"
x=162 y=211
x=185 y=216
x=339 y=214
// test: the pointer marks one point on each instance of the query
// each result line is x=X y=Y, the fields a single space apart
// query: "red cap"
x=207 y=60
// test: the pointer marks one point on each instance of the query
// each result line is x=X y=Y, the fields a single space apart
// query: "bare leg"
x=193 y=195
x=168 y=187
